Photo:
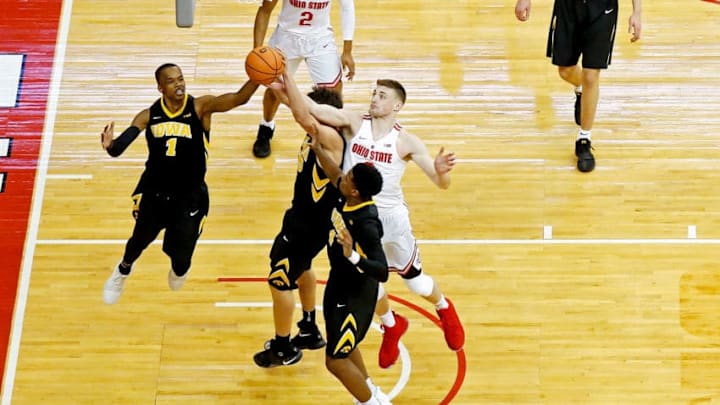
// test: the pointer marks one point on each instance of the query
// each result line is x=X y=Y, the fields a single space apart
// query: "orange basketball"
x=264 y=64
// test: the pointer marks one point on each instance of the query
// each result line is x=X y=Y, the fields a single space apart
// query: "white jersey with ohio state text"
x=305 y=17
x=383 y=154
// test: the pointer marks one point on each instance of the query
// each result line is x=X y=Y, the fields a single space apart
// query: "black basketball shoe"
x=261 y=147
x=308 y=337
x=583 y=151
x=273 y=356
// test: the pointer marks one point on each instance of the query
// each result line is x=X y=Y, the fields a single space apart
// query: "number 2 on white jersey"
x=306 y=18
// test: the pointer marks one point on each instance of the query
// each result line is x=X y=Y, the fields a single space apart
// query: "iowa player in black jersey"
x=171 y=193
x=357 y=260
x=303 y=235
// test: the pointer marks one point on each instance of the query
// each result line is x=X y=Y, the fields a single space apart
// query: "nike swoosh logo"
x=188 y=115
x=156 y=118
x=192 y=214
x=288 y=361
x=304 y=334
x=609 y=11
x=285 y=238
x=341 y=305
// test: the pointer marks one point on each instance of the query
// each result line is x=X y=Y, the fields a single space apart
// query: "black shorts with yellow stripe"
x=348 y=314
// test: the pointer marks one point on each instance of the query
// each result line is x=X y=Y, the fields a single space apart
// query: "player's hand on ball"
x=444 y=162
x=106 y=137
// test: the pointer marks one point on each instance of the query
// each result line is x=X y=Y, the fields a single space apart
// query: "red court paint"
x=28 y=28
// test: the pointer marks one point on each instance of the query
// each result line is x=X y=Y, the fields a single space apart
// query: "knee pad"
x=381 y=291
x=421 y=284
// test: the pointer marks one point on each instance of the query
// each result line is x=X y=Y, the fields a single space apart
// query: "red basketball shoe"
x=452 y=328
x=389 y=350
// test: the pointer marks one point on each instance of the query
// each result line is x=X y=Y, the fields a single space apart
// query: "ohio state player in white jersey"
x=376 y=137
x=304 y=32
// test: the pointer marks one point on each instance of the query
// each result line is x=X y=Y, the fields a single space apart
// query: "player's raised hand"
x=345 y=239
x=106 y=137
x=444 y=162
x=522 y=10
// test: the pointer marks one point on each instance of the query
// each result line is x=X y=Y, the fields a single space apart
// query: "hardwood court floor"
x=617 y=308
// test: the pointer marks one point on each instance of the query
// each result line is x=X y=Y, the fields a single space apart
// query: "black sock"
x=281 y=343
x=309 y=317
x=123 y=269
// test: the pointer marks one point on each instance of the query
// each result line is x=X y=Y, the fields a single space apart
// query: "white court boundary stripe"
x=406 y=367
x=37 y=202
x=69 y=176
x=650 y=241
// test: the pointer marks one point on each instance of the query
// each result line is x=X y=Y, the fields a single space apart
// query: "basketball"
x=264 y=64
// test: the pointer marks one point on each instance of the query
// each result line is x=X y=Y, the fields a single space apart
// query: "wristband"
x=354 y=257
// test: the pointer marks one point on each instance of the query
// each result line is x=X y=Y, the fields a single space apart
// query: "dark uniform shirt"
x=177 y=151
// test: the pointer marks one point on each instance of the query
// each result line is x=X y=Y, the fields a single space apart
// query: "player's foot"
x=114 y=286
x=389 y=350
x=380 y=397
x=583 y=151
x=308 y=337
x=578 y=107
x=452 y=328
x=261 y=147
x=176 y=282
x=273 y=356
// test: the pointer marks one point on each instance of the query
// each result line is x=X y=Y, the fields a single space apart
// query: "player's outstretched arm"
x=438 y=169
x=262 y=19
x=115 y=147
x=211 y=104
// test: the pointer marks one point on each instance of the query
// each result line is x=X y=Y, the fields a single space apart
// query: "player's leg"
x=308 y=336
x=289 y=45
x=393 y=327
x=290 y=258
x=148 y=222
x=182 y=233
x=404 y=257
x=597 y=45
x=347 y=321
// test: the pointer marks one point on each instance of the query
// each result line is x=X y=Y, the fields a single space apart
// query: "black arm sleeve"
x=374 y=264
x=119 y=144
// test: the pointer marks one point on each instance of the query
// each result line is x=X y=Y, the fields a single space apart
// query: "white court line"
x=405 y=369
x=651 y=241
x=69 y=176
x=39 y=193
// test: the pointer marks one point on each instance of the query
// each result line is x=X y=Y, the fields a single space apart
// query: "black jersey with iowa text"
x=177 y=150
x=366 y=230
x=313 y=195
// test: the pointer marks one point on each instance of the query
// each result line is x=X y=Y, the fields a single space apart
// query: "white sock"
x=388 y=319
x=270 y=124
x=371 y=401
x=578 y=89
x=442 y=304
x=371 y=385
x=583 y=134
